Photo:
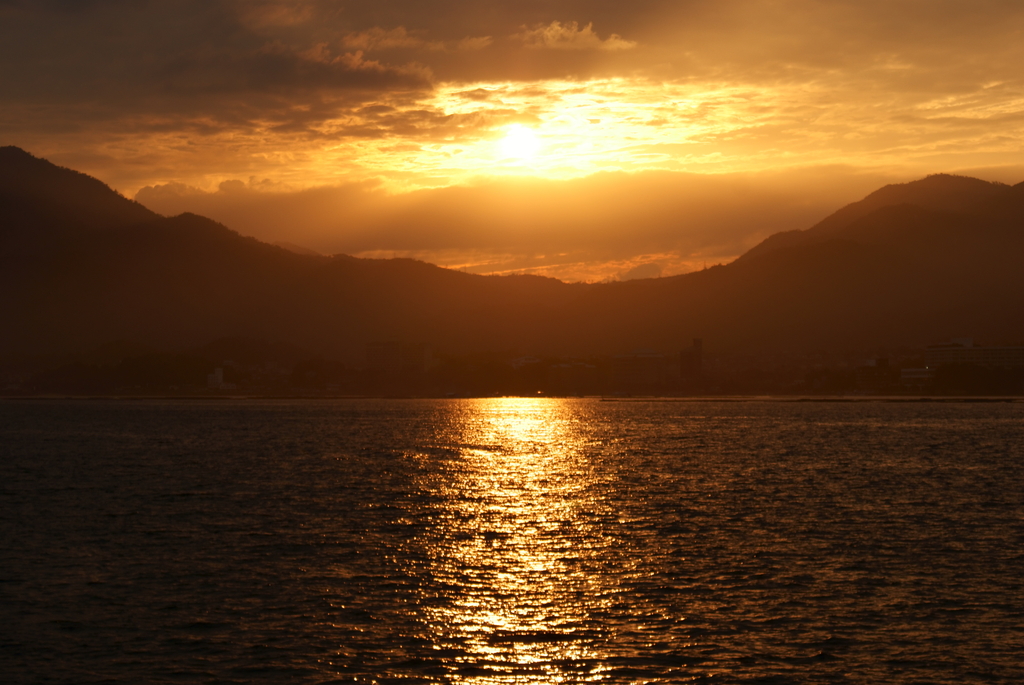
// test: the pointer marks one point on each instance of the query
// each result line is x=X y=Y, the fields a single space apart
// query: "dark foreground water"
x=511 y=541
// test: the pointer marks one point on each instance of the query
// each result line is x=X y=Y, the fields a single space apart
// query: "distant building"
x=384 y=357
x=572 y=377
x=876 y=375
x=640 y=370
x=691 y=361
x=916 y=377
x=964 y=351
x=392 y=358
x=215 y=380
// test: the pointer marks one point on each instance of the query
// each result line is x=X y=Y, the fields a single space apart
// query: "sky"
x=583 y=140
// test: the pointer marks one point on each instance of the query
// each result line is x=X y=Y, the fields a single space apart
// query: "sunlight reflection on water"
x=511 y=541
x=516 y=548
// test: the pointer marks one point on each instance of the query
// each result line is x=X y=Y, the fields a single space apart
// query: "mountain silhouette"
x=938 y=193
x=36 y=195
x=909 y=265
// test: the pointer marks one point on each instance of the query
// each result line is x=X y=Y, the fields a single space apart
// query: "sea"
x=511 y=541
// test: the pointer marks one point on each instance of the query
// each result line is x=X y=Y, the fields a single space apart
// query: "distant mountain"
x=37 y=195
x=909 y=265
x=297 y=249
x=941 y=193
x=82 y=265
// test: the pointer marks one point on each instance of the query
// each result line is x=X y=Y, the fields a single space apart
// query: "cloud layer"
x=400 y=107
x=799 y=81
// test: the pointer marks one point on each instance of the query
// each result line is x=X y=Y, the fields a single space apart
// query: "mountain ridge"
x=944 y=193
x=899 y=274
x=36 y=188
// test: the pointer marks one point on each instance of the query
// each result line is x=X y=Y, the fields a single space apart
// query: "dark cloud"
x=716 y=37
x=302 y=62
x=278 y=68
x=187 y=61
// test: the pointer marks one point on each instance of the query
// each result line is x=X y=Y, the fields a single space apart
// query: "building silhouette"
x=640 y=371
x=691 y=361
x=391 y=359
x=964 y=351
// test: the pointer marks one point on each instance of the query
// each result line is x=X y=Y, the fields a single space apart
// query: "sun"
x=520 y=142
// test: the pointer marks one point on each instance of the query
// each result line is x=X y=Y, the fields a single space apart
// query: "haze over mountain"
x=909 y=265
x=607 y=226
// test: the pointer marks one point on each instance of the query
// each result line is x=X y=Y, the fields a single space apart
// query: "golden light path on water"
x=517 y=545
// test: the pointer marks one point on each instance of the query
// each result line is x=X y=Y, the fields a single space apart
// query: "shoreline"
x=810 y=399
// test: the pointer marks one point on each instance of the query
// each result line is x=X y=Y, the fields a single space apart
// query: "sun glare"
x=574 y=130
x=520 y=142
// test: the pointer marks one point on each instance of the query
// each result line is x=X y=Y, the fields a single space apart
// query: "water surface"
x=511 y=541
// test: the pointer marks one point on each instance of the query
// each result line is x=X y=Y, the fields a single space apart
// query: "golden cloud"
x=378 y=39
x=569 y=36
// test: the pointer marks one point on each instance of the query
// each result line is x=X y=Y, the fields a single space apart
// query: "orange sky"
x=585 y=140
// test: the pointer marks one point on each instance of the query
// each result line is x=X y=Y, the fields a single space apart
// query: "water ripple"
x=511 y=540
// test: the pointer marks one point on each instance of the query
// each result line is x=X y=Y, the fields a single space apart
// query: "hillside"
x=940 y=193
x=36 y=195
x=906 y=266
